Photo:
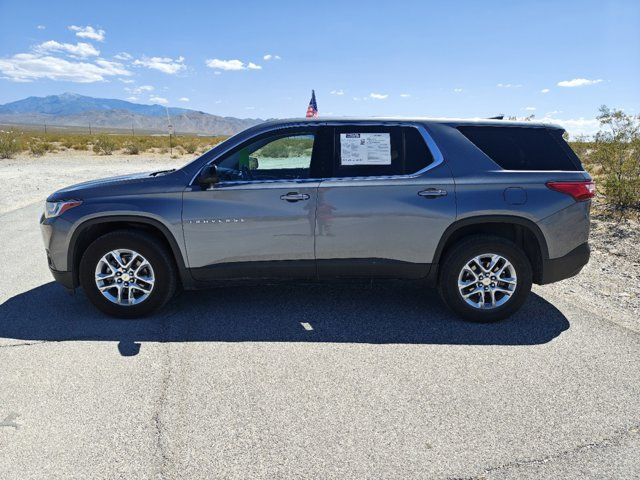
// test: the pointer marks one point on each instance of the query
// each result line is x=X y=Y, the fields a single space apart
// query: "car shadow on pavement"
x=377 y=313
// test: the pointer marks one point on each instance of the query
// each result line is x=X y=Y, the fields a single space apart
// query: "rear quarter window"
x=523 y=148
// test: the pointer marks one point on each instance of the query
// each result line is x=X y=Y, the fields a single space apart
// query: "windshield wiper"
x=155 y=174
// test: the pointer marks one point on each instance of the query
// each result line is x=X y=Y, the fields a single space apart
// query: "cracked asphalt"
x=308 y=381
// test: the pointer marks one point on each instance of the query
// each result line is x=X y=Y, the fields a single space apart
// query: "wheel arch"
x=93 y=228
x=522 y=231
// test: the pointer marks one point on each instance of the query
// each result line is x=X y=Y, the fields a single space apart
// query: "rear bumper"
x=556 y=269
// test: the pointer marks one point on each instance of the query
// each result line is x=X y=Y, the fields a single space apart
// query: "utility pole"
x=133 y=132
x=45 y=128
x=89 y=128
x=170 y=132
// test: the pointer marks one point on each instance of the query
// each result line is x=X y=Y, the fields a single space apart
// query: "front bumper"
x=556 y=269
x=64 y=278
x=54 y=235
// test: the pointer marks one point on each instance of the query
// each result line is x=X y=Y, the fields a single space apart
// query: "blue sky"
x=554 y=59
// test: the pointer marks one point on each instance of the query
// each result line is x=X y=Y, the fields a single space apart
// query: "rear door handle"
x=294 y=197
x=433 y=193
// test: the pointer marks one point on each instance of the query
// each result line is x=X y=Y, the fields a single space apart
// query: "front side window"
x=284 y=157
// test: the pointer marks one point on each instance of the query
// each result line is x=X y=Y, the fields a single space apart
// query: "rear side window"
x=523 y=148
x=379 y=151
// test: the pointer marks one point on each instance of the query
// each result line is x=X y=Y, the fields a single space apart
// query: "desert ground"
x=387 y=384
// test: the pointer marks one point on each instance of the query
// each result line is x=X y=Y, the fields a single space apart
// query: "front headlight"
x=55 y=209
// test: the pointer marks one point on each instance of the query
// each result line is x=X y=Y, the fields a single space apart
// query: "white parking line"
x=307 y=326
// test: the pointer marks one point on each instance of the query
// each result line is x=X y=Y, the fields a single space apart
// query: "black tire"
x=462 y=252
x=149 y=247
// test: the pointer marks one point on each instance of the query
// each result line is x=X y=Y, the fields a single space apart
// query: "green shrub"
x=132 y=148
x=103 y=145
x=9 y=144
x=37 y=147
x=190 y=147
x=617 y=153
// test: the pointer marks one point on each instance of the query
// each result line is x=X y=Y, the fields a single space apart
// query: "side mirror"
x=208 y=176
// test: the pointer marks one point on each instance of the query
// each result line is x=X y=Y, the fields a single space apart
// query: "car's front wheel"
x=485 y=278
x=127 y=274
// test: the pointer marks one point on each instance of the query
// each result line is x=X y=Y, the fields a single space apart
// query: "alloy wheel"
x=124 y=277
x=487 y=281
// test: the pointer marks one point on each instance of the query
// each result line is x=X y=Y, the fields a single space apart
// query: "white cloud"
x=115 y=67
x=553 y=112
x=88 y=32
x=26 y=67
x=80 y=49
x=166 y=65
x=125 y=80
x=405 y=95
x=457 y=90
x=578 y=82
x=140 y=89
x=509 y=85
x=184 y=99
x=530 y=109
x=249 y=108
x=225 y=64
x=337 y=92
x=124 y=56
x=545 y=90
x=268 y=57
x=160 y=100
x=41 y=27
x=132 y=98
x=231 y=65
x=378 y=96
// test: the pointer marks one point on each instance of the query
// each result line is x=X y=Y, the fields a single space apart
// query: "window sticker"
x=365 y=149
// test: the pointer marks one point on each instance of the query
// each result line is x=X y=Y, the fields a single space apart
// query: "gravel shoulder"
x=26 y=179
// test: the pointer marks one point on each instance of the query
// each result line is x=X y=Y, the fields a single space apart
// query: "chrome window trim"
x=438 y=158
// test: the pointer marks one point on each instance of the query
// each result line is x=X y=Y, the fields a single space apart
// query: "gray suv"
x=478 y=209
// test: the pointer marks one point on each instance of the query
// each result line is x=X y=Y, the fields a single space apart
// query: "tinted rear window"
x=523 y=148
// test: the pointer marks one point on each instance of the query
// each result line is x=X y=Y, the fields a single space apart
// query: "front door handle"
x=433 y=193
x=294 y=197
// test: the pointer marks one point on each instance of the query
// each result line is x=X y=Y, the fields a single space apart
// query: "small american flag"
x=312 y=109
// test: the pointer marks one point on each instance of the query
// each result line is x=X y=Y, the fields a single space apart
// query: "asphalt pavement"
x=366 y=380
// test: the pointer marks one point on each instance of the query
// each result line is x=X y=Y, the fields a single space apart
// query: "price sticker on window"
x=365 y=149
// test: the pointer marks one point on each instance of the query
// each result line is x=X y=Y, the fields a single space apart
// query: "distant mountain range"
x=73 y=110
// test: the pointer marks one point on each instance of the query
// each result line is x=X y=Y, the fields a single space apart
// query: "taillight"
x=580 y=191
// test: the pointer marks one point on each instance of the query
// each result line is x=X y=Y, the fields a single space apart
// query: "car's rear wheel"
x=485 y=278
x=128 y=274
